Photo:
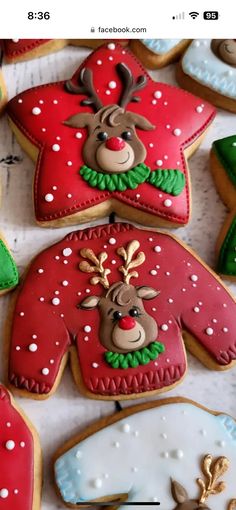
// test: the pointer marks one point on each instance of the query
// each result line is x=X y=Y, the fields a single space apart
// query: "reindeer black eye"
x=117 y=315
x=134 y=312
x=102 y=136
x=126 y=135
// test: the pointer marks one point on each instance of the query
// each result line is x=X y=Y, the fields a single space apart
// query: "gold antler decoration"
x=98 y=261
x=232 y=504
x=127 y=255
x=212 y=469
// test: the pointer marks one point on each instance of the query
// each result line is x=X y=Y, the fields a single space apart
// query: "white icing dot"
x=116 y=444
x=151 y=145
x=44 y=130
x=87 y=291
x=154 y=101
x=167 y=126
x=177 y=132
x=183 y=289
x=16 y=491
x=17 y=348
x=170 y=300
x=78 y=454
x=36 y=110
x=41 y=101
x=65 y=283
x=15 y=40
x=111 y=46
x=51 y=361
x=153 y=272
x=167 y=273
x=10 y=445
x=8 y=424
x=221 y=443
x=214 y=320
x=40 y=271
x=87 y=329
x=22 y=314
x=225 y=330
x=112 y=240
x=97 y=483
x=165 y=103
x=67 y=252
x=49 y=197
x=113 y=262
x=126 y=428
x=20 y=101
x=150 y=239
x=55 y=301
x=99 y=62
x=45 y=371
x=22 y=444
x=78 y=135
x=69 y=163
x=177 y=454
x=157 y=249
x=137 y=195
x=56 y=147
x=69 y=195
x=159 y=162
x=54 y=188
x=41 y=299
x=200 y=303
x=157 y=94
x=65 y=261
x=86 y=338
x=196 y=309
x=33 y=347
x=110 y=58
x=95 y=365
x=164 y=327
x=194 y=278
x=168 y=202
x=112 y=84
x=199 y=109
x=55 y=101
x=209 y=331
x=234 y=145
x=108 y=92
x=4 y=493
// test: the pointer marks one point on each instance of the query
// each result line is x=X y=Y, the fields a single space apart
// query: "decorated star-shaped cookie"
x=20 y=459
x=110 y=140
x=223 y=166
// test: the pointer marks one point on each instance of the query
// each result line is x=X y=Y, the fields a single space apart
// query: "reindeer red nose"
x=115 y=143
x=127 y=322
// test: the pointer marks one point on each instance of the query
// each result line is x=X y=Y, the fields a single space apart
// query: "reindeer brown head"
x=125 y=325
x=225 y=49
x=113 y=145
x=212 y=470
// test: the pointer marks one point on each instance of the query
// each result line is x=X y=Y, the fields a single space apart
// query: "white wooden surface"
x=67 y=412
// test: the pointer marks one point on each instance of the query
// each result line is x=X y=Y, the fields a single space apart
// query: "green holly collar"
x=135 y=358
x=170 y=181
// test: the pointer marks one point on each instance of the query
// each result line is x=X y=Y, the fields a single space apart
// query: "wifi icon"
x=194 y=14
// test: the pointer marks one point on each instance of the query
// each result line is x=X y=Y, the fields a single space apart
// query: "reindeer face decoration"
x=212 y=470
x=225 y=49
x=125 y=324
x=113 y=145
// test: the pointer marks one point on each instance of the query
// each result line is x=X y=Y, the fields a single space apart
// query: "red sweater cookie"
x=117 y=299
x=20 y=470
x=110 y=139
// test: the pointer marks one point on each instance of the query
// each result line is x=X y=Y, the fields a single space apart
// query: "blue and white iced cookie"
x=208 y=69
x=157 y=53
x=173 y=452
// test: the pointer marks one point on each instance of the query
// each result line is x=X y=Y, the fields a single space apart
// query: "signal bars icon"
x=181 y=15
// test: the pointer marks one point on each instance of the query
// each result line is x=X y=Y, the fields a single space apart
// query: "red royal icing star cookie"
x=117 y=299
x=108 y=140
x=20 y=473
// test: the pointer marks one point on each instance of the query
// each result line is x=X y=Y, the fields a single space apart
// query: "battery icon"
x=211 y=15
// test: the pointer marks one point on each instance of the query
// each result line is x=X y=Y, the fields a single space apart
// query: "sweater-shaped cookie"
x=223 y=167
x=20 y=460
x=208 y=69
x=170 y=452
x=110 y=140
x=116 y=299
x=157 y=53
x=8 y=271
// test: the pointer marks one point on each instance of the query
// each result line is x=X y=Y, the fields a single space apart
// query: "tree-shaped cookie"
x=223 y=167
x=8 y=271
x=152 y=453
x=116 y=300
x=20 y=458
x=110 y=140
